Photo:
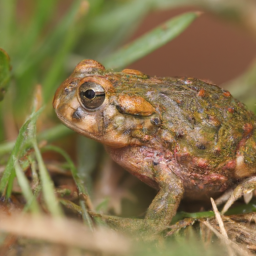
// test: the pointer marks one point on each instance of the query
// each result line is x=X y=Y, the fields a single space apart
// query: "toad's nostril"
x=77 y=114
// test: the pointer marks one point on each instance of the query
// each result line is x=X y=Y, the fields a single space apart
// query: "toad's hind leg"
x=161 y=210
x=245 y=188
x=166 y=202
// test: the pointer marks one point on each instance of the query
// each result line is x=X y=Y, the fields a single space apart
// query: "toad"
x=182 y=136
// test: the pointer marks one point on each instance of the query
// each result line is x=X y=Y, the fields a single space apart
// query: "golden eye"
x=91 y=95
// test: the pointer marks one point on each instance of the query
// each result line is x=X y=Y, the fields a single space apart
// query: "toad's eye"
x=91 y=95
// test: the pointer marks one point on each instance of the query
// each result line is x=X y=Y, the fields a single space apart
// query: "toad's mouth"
x=77 y=129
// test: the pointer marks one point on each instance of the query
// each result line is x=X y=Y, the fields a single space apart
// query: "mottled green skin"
x=206 y=132
x=203 y=125
x=196 y=140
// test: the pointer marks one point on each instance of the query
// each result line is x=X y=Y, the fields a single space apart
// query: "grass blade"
x=128 y=21
x=43 y=10
x=80 y=186
x=29 y=69
x=5 y=72
x=50 y=44
x=110 y=27
x=26 y=190
x=150 y=41
x=58 y=131
x=50 y=135
x=110 y=20
x=86 y=163
x=164 y=4
x=73 y=169
x=9 y=169
x=247 y=91
x=46 y=182
x=51 y=80
x=47 y=185
x=7 y=22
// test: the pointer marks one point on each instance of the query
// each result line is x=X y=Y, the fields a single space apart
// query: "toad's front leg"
x=161 y=210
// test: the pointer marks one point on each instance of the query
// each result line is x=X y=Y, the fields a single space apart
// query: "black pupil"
x=89 y=94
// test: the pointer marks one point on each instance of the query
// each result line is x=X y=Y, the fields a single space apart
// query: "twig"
x=64 y=231
x=219 y=219
x=221 y=225
x=227 y=241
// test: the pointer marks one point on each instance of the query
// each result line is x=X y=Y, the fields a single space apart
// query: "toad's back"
x=201 y=122
x=195 y=125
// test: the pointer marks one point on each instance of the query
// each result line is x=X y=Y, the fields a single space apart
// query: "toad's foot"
x=129 y=225
x=245 y=188
x=160 y=211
